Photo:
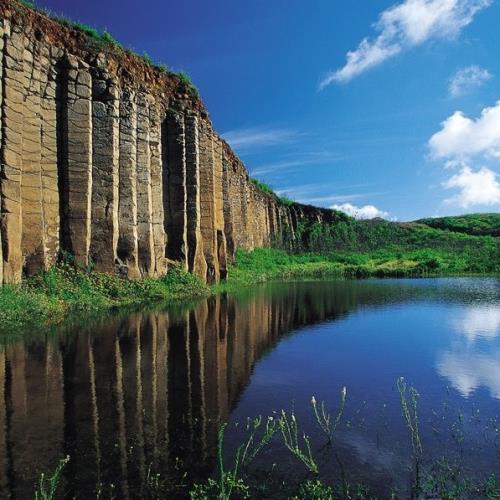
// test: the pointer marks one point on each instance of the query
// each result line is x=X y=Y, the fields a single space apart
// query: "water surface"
x=133 y=394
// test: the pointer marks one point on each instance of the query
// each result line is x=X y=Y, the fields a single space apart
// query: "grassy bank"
x=52 y=295
x=344 y=249
x=265 y=264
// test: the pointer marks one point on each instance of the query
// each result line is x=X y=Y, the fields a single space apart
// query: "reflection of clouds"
x=369 y=452
x=468 y=370
x=479 y=321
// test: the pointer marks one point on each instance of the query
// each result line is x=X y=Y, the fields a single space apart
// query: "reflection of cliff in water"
x=148 y=390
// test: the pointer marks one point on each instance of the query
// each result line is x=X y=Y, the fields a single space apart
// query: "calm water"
x=147 y=392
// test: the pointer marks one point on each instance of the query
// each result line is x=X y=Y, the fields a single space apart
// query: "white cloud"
x=461 y=136
x=252 y=138
x=406 y=25
x=364 y=212
x=476 y=188
x=467 y=79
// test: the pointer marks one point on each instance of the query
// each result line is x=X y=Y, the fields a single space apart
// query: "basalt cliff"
x=115 y=162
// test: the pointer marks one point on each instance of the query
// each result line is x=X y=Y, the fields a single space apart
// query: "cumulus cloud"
x=364 y=212
x=467 y=79
x=406 y=25
x=462 y=140
x=479 y=187
x=461 y=136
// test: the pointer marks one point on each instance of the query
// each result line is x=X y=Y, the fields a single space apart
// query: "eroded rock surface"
x=105 y=158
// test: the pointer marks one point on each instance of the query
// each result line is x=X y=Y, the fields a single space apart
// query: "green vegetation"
x=353 y=248
x=474 y=224
x=50 y=296
x=344 y=249
x=302 y=465
x=284 y=200
x=262 y=186
x=188 y=83
x=47 y=487
x=266 y=188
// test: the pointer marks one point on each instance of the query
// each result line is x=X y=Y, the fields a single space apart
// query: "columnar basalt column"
x=155 y=146
x=235 y=203
x=105 y=159
x=2 y=45
x=127 y=249
x=219 y=211
x=49 y=152
x=228 y=208
x=196 y=260
x=31 y=180
x=11 y=152
x=207 y=194
x=76 y=165
x=247 y=212
x=174 y=190
x=144 y=189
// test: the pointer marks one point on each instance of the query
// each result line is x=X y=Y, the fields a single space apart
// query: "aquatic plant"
x=47 y=486
x=409 y=402
x=290 y=432
x=233 y=479
x=324 y=419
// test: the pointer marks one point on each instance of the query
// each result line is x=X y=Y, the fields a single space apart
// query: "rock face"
x=110 y=160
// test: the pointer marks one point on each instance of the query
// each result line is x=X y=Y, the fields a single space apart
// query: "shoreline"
x=50 y=298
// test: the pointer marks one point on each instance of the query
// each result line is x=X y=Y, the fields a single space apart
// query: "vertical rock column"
x=144 y=200
x=228 y=212
x=233 y=182
x=196 y=260
x=247 y=213
x=219 y=210
x=49 y=152
x=174 y=188
x=76 y=164
x=127 y=249
x=207 y=195
x=2 y=45
x=105 y=159
x=11 y=152
x=32 y=230
x=155 y=141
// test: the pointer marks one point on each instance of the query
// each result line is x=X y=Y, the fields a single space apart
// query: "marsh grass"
x=409 y=407
x=47 y=486
x=324 y=419
x=300 y=449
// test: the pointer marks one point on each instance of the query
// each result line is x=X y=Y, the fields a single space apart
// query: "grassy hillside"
x=351 y=248
x=473 y=224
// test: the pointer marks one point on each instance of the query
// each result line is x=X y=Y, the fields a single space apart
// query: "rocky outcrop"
x=115 y=162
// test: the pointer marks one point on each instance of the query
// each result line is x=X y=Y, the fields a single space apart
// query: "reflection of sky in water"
x=473 y=358
x=478 y=322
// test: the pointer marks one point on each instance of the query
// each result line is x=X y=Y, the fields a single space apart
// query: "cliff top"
x=90 y=45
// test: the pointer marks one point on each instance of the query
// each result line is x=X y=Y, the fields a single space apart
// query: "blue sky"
x=375 y=107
